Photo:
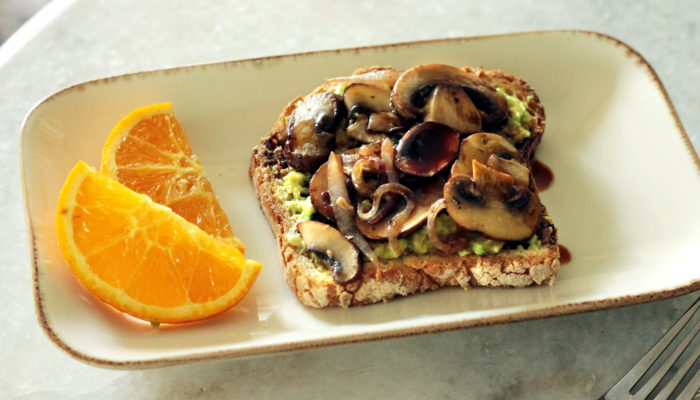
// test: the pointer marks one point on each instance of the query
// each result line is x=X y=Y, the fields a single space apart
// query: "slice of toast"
x=280 y=174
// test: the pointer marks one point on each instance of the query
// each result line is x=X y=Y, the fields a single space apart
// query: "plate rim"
x=266 y=349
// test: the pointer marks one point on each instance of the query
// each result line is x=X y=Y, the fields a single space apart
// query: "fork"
x=623 y=389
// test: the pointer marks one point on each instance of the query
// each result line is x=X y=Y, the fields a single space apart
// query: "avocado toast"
x=388 y=182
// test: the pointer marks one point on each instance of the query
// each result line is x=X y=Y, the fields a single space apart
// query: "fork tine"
x=641 y=367
x=635 y=374
x=691 y=389
x=682 y=370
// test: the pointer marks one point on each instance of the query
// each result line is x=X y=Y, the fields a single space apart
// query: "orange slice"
x=142 y=258
x=148 y=152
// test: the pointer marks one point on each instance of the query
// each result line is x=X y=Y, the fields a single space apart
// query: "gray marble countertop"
x=571 y=357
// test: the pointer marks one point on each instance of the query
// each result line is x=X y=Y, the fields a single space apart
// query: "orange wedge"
x=148 y=152
x=142 y=258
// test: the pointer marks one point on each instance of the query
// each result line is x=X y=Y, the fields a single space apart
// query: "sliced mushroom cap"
x=425 y=197
x=480 y=146
x=310 y=137
x=318 y=191
x=411 y=90
x=451 y=106
x=318 y=187
x=492 y=204
x=426 y=149
x=363 y=98
x=329 y=244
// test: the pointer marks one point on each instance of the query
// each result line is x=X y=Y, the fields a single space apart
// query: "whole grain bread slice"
x=513 y=266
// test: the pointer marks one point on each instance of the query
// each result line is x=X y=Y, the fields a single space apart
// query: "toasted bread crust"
x=412 y=273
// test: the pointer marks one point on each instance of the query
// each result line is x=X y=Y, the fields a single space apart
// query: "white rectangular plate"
x=625 y=195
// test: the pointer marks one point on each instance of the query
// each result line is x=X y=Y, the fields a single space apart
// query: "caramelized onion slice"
x=358 y=174
x=342 y=209
x=425 y=197
x=435 y=240
x=379 y=209
x=387 y=154
x=397 y=220
x=351 y=156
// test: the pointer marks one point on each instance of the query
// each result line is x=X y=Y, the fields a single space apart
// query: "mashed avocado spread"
x=293 y=191
x=518 y=115
x=419 y=243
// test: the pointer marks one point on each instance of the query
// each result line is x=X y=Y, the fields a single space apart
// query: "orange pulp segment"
x=148 y=152
x=142 y=258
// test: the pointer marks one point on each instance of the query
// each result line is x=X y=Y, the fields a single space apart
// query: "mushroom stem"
x=358 y=130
